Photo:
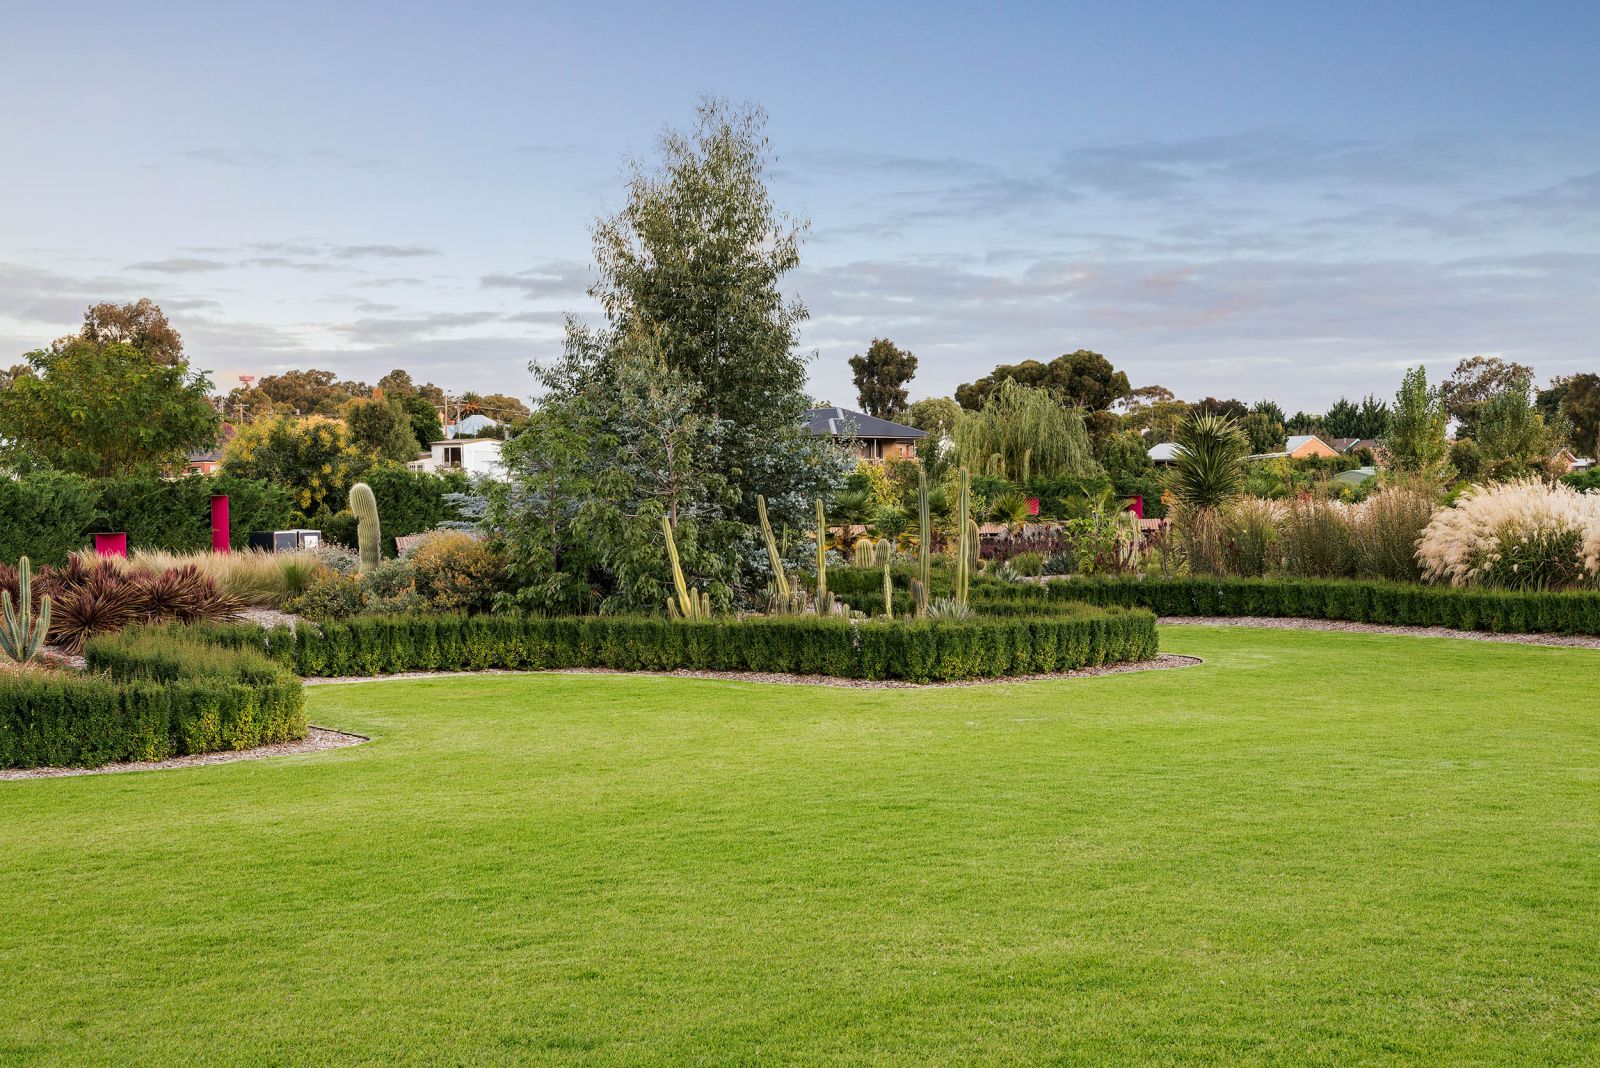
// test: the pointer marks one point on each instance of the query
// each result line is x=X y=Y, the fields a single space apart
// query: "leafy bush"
x=390 y=587
x=457 y=572
x=1516 y=535
x=1074 y=637
x=155 y=693
x=45 y=516
x=329 y=595
x=175 y=514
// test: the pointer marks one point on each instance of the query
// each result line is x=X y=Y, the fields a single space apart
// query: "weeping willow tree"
x=1023 y=432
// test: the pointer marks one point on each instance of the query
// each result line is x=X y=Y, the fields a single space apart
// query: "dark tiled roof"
x=842 y=422
x=209 y=456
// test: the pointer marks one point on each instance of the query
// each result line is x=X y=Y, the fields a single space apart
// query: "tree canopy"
x=881 y=375
x=1084 y=379
x=1025 y=432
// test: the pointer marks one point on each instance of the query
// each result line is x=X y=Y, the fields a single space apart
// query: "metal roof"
x=842 y=422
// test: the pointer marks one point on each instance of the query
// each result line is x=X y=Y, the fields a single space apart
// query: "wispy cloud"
x=178 y=265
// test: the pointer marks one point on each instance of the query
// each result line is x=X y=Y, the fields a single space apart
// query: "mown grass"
x=1315 y=849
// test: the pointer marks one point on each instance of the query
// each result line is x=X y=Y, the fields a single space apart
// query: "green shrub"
x=1073 y=637
x=328 y=595
x=175 y=514
x=154 y=692
x=410 y=502
x=45 y=516
x=456 y=572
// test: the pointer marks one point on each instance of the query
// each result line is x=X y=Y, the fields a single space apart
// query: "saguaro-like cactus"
x=964 y=541
x=884 y=553
x=780 y=581
x=368 y=536
x=688 y=604
x=888 y=593
x=865 y=551
x=23 y=635
x=924 y=545
x=823 y=603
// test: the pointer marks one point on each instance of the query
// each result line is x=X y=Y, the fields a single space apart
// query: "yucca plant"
x=23 y=635
x=1208 y=463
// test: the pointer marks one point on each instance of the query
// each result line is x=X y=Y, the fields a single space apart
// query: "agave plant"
x=1208 y=463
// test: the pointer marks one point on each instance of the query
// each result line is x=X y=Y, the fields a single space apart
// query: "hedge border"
x=153 y=693
x=911 y=651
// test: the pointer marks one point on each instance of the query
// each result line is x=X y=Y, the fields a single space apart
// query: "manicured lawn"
x=1315 y=849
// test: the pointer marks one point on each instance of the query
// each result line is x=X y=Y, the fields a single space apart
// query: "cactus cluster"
x=369 y=538
x=685 y=603
x=780 y=579
x=22 y=636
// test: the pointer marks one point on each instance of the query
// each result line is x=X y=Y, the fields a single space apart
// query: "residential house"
x=204 y=462
x=1351 y=446
x=471 y=426
x=1568 y=462
x=1300 y=447
x=475 y=456
x=1164 y=454
x=871 y=438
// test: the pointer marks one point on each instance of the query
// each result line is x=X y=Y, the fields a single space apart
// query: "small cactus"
x=865 y=551
x=22 y=636
x=368 y=536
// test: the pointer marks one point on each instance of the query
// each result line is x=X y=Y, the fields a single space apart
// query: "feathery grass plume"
x=1385 y=529
x=1523 y=535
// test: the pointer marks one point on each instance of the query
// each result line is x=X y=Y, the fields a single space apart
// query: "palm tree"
x=1208 y=463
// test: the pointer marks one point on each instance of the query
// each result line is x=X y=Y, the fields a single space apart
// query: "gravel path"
x=316 y=740
x=1165 y=660
x=1292 y=623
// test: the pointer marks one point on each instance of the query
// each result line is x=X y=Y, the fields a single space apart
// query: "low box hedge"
x=150 y=693
x=924 y=651
x=1354 y=600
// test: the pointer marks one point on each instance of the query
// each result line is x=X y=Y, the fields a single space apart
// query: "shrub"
x=1385 y=529
x=1250 y=531
x=1316 y=540
x=390 y=587
x=328 y=595
x=175 y=514
x=248 y=576
x=1517 y=535
x=156 y=692
x=457 y=572
x=45 y=516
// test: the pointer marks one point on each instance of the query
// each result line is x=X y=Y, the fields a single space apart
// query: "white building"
x=475 y=456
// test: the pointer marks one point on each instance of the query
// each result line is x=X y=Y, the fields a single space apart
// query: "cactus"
x=1027 y=462
x=884 y=555
x=919 y=589
x=864 y=551
x=888 y=593
x=22 y=636
x=687 y=604
x=780 y=581
x=791 y=604
x=974 y=543
x=368 y=537
x=823 y=602
x=965 y=542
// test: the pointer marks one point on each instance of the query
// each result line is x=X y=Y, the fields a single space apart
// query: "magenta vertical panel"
x=219 y=524
x=111 y=545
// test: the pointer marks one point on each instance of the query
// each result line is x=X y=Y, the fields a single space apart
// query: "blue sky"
x=1286 y=200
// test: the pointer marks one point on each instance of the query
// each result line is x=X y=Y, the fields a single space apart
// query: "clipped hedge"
x=152 y=693
x=1353 y=600
x=802 y=645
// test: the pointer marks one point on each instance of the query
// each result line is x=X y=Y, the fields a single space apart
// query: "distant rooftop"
x=842 y=422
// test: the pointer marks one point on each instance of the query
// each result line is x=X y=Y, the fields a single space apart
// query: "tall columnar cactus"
x=864 y=551
x=974 y=545
x=888 y=593
x=23 y=635
x=884 y=553
x=368 y=536
x=924 y=544
x=780 y=580
x=964 y=545
x=687 y=604
x=823 y=604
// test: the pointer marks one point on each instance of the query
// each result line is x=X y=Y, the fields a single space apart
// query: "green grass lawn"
x=1314 y=849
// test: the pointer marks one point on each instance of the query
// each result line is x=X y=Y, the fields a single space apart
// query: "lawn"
x=1314 y=849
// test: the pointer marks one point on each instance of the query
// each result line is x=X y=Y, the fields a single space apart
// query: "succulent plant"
x=23 y=635
x=369 y=537
x=686 y=603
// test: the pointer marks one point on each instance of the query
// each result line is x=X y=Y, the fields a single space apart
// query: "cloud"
x=383 y=252
x=554 y=278
x=177 y=265
x=396 y=329
x=232 y=156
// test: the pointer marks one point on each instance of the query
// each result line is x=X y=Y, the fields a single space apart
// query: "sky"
x=1294 y=201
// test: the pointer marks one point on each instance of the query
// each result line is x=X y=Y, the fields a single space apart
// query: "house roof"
x=1343 y=444
x=1164 y=452
x=464 y=441
x=1355 y=476
x=206 y=456
x=1299 y=441
x=472 y=424
x=842 y=422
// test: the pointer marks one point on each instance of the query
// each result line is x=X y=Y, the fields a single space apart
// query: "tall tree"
x=1347 y=419
x=1082 y=378
x=696 y=259
x=140 y=324
x=104 y=409
x=312 y=457
x=1475 y=380
x=881 y=376
x=1580 y=405
x=1416 y=439
x=380 y=428
x=1511 y=436
x=1266 y=434
x=936 y=415
x=298 y=392
x=1154 y=412
x=1024 y=432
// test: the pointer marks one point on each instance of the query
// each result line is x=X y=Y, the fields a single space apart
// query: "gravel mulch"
x=1165 y=660
x=316 y=740
x=1294 y=623
x=267 y=617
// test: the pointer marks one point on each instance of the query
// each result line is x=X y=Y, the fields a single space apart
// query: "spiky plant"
x=1012 y=510
x=369 y=537
x=964 y=543
x=101 y=602
x=864 y=550
x=23 y=635
x=823 y=602
x=888 y=593
x=780 y=580
x=687 y=604
x=919 y=588
x=1208 y=463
